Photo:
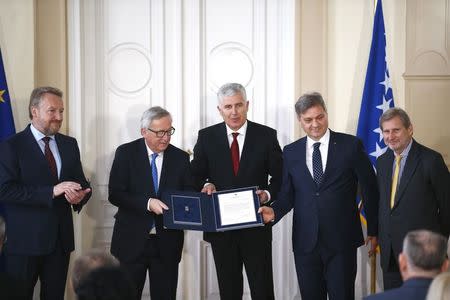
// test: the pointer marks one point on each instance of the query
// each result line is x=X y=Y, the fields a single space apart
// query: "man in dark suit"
x=41 y=178
x=321 y=173
x=234 y=154
x=141 y=171
x=419 y=197
x=423 y=258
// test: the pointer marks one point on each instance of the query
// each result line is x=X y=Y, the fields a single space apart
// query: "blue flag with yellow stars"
x=6 y=123
x=377 y=96
x=6 y=118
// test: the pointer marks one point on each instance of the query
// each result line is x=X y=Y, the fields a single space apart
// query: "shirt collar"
x=405 y=152
x=325 y=140
x=150 y=152
x=241 y=130
x=39 y=135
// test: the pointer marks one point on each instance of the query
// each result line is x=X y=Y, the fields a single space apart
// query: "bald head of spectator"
x=424 y=255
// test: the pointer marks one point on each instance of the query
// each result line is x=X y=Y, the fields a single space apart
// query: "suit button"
x=317 y=194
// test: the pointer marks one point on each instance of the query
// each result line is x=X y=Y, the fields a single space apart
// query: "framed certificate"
x=224 y=210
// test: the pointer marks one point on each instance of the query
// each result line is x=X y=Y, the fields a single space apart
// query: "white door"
x=126 y=56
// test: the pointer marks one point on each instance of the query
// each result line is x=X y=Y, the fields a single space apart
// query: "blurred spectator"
x=84 y=264
x=106 y=283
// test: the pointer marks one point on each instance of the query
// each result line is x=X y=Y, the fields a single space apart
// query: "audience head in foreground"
x=106 y=283
x=423 y=257
x=88 y=262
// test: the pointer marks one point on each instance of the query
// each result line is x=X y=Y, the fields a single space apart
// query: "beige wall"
x=33 y=43
x=17 y=44
x=349 y=26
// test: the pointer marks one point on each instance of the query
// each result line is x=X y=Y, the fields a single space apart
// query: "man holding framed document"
x=238 y=153
x=142 y=170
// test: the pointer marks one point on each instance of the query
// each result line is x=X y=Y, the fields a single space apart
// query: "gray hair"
x=308 y=100
x=425 y=250
x=2 y=231
x=395 y=112
x=153 y=113
x=93 y=259
x=231 y=89
x=36 y=96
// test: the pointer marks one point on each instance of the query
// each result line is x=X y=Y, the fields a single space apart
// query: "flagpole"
x=373 y=272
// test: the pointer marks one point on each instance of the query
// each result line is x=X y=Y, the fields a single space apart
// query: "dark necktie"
x=235 y=153
x=317 y=164
x=155 y=172
x=50 y=158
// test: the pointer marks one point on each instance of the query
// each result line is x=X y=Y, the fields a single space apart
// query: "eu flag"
x=377 y=96
x=6 y=122
x=6 y=118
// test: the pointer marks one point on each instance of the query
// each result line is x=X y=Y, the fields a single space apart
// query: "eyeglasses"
x=162 y=133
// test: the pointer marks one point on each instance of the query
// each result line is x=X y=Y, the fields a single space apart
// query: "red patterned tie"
x=235 y=153
x=50 y=158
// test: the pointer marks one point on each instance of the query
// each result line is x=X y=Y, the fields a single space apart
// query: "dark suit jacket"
x=34 y=219
x=412 y=289
x=261 y=157
x=130 y=188
x=328 y=212
x=422 y=199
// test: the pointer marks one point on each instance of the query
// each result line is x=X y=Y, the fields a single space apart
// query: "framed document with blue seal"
x=221 y=211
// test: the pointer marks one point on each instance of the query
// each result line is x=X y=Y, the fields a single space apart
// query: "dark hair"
x=308 y=100
x=395 y=112
x=106 y=283
x=425 y=249
x=36 y=96
x=93 y=259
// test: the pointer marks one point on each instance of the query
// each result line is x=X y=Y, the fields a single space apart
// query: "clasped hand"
x=73 y=191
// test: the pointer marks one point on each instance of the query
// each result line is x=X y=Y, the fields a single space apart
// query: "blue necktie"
x=317 y=164
x=155 y=172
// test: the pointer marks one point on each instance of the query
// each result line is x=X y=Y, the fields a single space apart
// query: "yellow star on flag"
x=1 y=95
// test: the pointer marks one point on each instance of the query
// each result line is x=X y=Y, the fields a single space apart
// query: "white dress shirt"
x=240 y=138
x=324 y=143
x=52 y=144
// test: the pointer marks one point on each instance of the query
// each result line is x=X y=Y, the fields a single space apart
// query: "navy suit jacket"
x=261 y=157
x=34 y=219
x=412 y=289
x=328 y=212
x=422 y=199
x=130 y=188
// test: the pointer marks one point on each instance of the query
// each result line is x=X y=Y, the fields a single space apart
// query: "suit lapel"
x=302 y=158
x=386 y=168
x=143 y=168
x=62 y=154
x=166 y=165
x=331 y=158
x=36 y=153
x=412 y=161
x=250 y=141
x=224 y=152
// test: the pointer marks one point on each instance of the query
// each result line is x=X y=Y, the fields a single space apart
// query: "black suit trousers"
x=234 y=252
x=163 y=274
x=50 y=269
x=325 y=271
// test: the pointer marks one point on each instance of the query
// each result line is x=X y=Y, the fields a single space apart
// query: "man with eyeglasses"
x=141 y=171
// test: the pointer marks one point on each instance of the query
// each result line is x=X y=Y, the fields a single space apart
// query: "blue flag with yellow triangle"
x=377 y=96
